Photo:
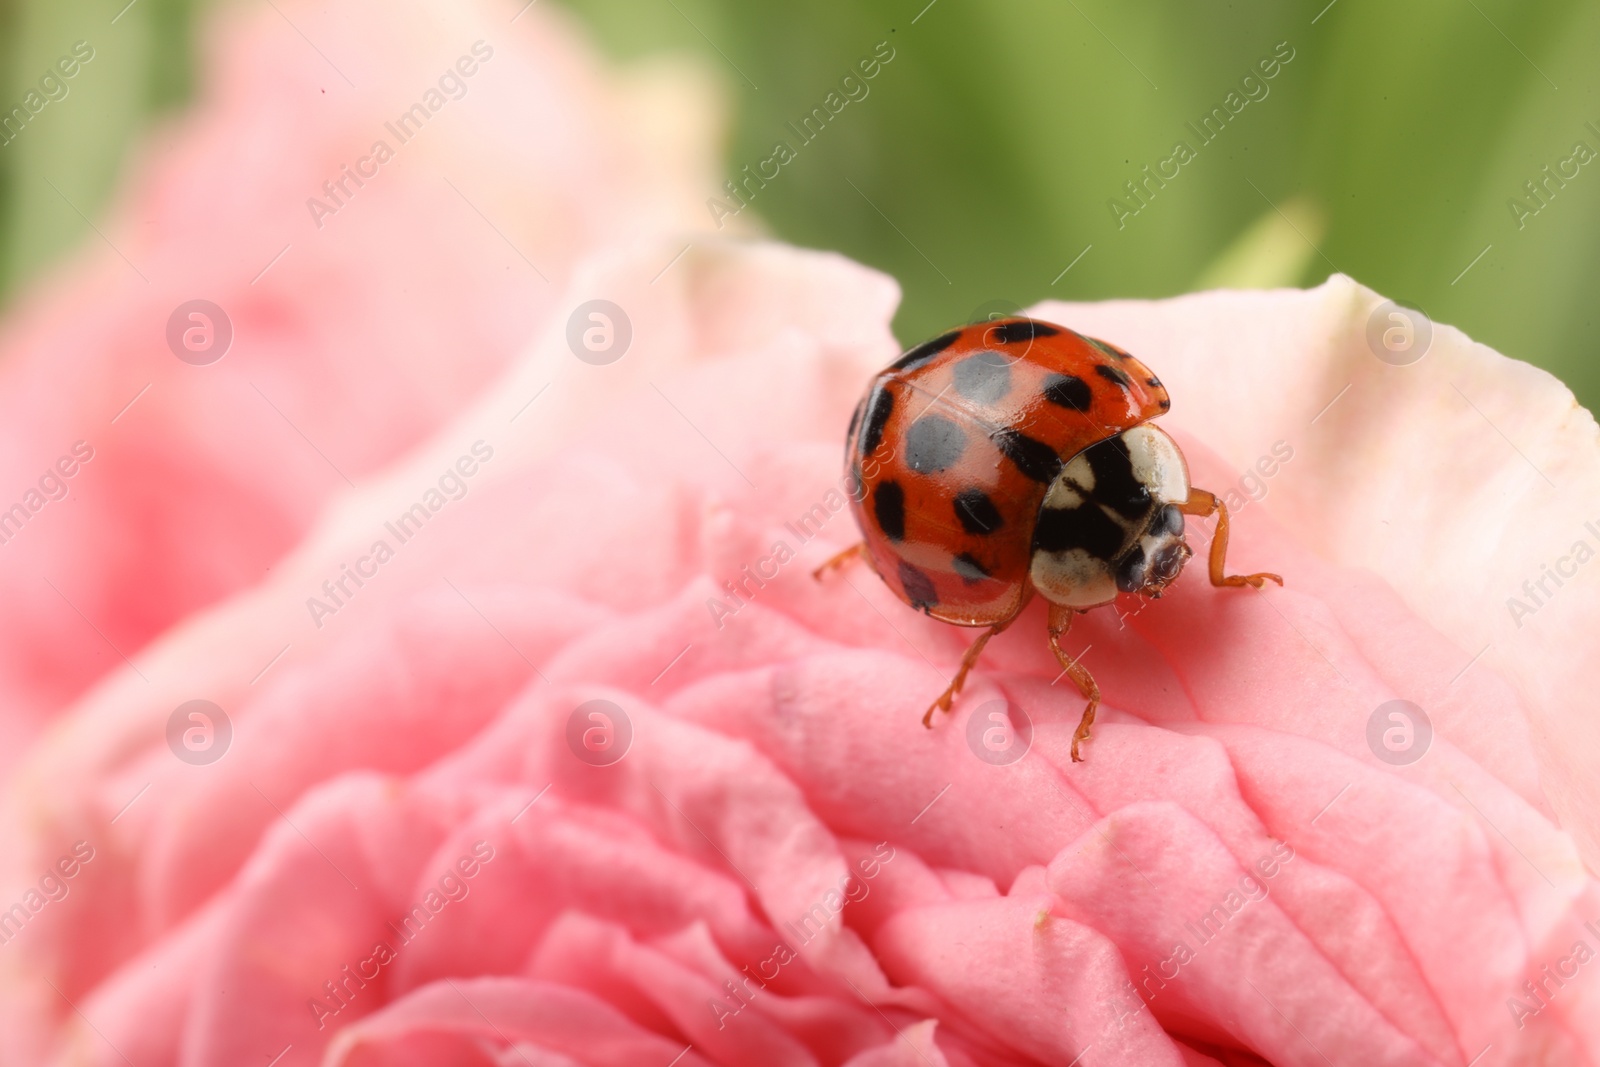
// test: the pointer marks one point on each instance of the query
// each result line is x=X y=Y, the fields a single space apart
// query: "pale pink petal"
x=779 y=784
x=1455 y=479
x=202 y=476
x=505 y=1021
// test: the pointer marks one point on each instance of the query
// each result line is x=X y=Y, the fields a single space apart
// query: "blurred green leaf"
x=1274 y=252
x=984 y=159
x=58 y=171
x=983 y=164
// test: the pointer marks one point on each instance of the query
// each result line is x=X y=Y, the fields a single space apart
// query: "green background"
x=982 y=161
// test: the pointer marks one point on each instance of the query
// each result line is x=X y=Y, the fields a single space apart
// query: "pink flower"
x=136 y=488
x=425 y=841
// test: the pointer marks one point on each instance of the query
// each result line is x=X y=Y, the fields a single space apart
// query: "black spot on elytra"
x=1008 y=333
x=1085 y=527
x=889 y=507
x=970 y=569
x=918 y=586
x=1033 y=458
x=977 y=512
x=1112 y=374
x=934 y=443
x=924 y=352
x=880 y=405
x=983 y=377
x=1153 y=382
x=1165 y=404
x=1114 y=483
x=1068 y=391
x=1130 y=570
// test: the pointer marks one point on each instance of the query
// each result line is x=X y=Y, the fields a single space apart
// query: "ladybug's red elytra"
x=1016 y=457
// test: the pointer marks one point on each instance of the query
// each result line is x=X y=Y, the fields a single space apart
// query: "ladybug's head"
x=1110 y=524
x=1157 y=556
x=1156 y=550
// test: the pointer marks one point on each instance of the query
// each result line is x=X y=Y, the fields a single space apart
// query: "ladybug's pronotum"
x=1014 y=457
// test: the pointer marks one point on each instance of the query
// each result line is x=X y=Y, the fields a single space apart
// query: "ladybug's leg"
x=1203 y=504
x=968 y=661
x=839 y=559
x=1060 y=621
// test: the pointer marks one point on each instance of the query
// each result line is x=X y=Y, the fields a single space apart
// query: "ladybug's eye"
x=1169 y=520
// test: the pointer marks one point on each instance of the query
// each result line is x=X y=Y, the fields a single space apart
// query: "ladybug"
x=1015 y=457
